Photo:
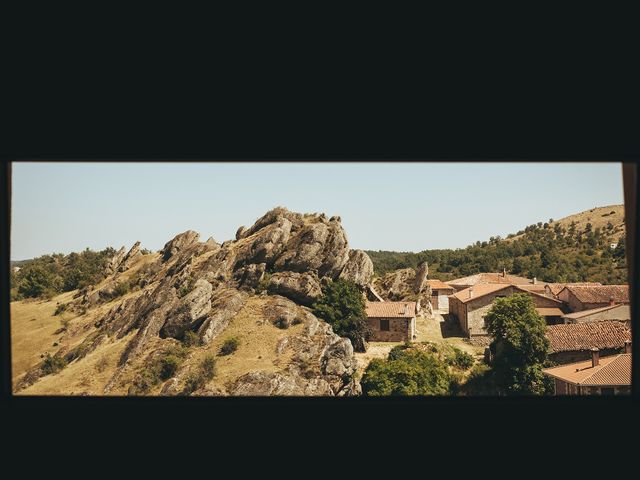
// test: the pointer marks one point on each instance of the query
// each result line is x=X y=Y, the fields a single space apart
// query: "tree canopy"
x=519 y=345
x=342 y=306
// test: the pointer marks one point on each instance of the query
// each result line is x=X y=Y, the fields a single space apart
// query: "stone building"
x=611 y=312
x=579 y=297
x=471 y=305
x=392 y=321
x=440 y=292
x=573 y=342
x=553 y=289
x=597 y=376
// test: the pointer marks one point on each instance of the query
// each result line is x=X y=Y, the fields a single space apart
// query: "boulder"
x=359 y=268
x=303 y=288
x=226 y=303
x=250 y=275
x=421 y=277
x=192 y=308
x=129 y=259
x=114 y=263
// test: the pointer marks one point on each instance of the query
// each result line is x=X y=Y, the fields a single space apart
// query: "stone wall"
x=400 y=329
x=562 y=358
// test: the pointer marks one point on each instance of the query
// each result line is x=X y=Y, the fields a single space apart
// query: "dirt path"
x=442 y=328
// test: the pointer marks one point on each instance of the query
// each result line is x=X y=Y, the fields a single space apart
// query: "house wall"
x=561 y=387
x=565 y=388
x=576 y=305
x=621 y=312
x=400 y=329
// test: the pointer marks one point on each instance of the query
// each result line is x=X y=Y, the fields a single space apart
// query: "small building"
x=582 y=297
x=573 y=342
x=490 y=278
x=471 y=305
x=611 y=312
x=553 y=289
x=392 y=321
x=440 y=292
x=597 y=376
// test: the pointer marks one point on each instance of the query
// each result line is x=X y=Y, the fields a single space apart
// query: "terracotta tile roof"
x=490 y=278
x=550 y=311
x=479 y=290
x=556 y=288
x=600 y=293
x=482 y=289
x=612 y=370
x=626 y=315
x=572 y=337
x=391 y=309
x=537 y=288
x=439 y=285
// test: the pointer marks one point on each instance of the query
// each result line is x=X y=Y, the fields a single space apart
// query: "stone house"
x=597 y=376
x=471 y=305
x=486 y=278
x=611 y=312
x=392 y=321
x=579 y=297
x=573 y=342
x=440 y=292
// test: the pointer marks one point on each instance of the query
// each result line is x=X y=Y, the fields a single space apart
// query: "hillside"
x=196 y=318
x=573 y=249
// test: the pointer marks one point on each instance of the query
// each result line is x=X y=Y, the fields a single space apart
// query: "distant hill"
x=573 y=249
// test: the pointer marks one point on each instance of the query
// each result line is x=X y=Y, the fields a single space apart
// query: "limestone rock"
x=132 y=255
x=421 y=277
x=225 y=305
x=359 y=268
x=190 y=310
x=250 y=275
x=303 y=288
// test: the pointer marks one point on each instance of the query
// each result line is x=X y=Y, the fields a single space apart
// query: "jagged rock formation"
x=405 y=284
x=200 y=287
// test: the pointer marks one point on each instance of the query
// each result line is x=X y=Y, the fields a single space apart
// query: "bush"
x=191 y=339
x=406 y=372
x=62 y=307
x=229 y=346
x=161 y=368
x=186 y=287
x=121 y=289
x=51 y=365
x=199 y=378
x=102 y=364
x=460 y=359
x=263 y=284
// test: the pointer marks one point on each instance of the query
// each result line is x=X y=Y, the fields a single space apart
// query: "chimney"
x=595 y=357
x=470 y=292
x=535 y=281
x=627 y=347
x=611 y=302
x=406 y=308
x=504 y=272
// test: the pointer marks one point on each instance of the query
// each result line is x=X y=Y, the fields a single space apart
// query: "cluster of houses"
x=589 y=324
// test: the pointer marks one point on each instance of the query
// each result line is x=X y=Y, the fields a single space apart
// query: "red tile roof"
x=556 y=288
x=439 y=285
x=585 y=313
x=391 y=309
x=613 y=370
x=584 y=336
x=550 y=311
x=600 y=293
x=490 y=278
x=479 y=291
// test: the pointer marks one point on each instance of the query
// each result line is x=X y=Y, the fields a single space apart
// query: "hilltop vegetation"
x=569 y=250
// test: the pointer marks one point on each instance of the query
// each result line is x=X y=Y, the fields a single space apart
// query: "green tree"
x=519 y=345
x=342 y=306
x=36 y=280
x=406 y=372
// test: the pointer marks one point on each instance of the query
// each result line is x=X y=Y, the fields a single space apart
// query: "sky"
x=400 y=206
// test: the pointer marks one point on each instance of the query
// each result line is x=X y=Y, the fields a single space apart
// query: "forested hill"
x=573 y=249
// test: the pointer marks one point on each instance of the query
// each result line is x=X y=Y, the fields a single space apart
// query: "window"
x=384 y=325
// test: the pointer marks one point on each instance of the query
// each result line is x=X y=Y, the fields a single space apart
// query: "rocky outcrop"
x=179 y=243
x=193 y=308
x=225 y=305
x=401 y=285
x=359 y=268
x=114 y=263
x=303 y=288
x=129 y=259
x=421 y=277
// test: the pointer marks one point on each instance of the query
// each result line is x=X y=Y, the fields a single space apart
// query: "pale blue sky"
x=65 y=207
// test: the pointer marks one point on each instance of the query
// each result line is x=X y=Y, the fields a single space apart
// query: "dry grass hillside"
x=598 y=218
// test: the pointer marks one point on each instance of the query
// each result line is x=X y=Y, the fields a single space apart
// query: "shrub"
x=121 y=289
x=229 y=346
x=406 y=372
x=263 y=284
x=102 y=364
x=186 y=287
x=62 y=307
x=460 y=359
x=199 y=378
x=191 y=339
x=51 y=365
